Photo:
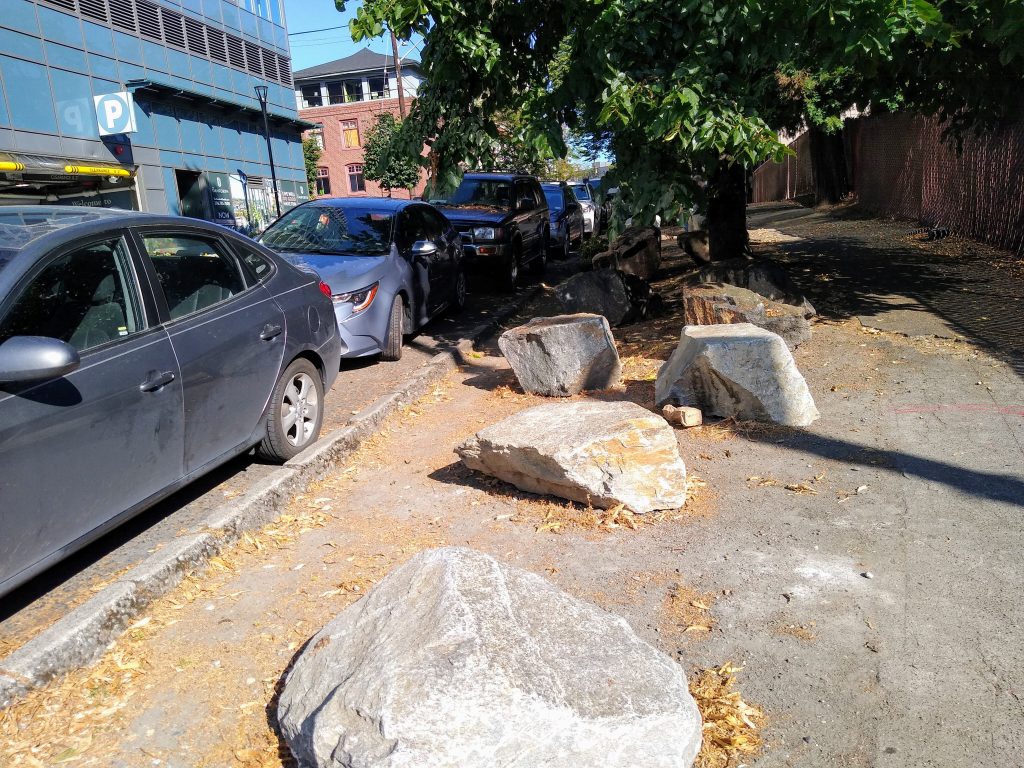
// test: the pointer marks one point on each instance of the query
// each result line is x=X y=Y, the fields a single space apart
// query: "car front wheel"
x=295 y=413
x=510 y=279
x=396 y=331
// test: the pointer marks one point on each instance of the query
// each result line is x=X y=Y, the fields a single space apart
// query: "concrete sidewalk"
x=865 y=572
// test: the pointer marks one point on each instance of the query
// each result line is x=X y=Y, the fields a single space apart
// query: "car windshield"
x=331 y=229
x=581 y=190
x=19 y=228
x=554 y=196
x=489 y=192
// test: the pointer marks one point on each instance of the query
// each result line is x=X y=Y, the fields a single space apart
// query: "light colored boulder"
x=601 y=292
x=563 y=355
x=457 y=661
x=736 y=370
x=601 y=453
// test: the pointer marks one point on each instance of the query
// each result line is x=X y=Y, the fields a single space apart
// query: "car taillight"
x=325 y=289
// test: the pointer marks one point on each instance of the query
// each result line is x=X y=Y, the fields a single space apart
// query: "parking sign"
x=115 y=113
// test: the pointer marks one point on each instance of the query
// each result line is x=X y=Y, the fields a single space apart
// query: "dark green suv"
x=503 y=221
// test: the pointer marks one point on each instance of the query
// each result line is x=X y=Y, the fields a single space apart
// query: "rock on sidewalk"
x=457 y=661
x=562 y=356
x=736 y=370
x=716 y=303
x=589 y=451
x=637 y=251
x=601 y=292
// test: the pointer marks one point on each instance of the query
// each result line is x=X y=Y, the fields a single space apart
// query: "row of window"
x=89 y=296
x=349 y=135
x=356 y=181
x=175 y=30
x=345 y=91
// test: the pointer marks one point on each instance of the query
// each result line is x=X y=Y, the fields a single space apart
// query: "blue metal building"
x=148 y=104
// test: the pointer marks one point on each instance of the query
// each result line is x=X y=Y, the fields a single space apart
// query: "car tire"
x=459 y=291
x=295 y=413
x=510 y=278
x=396 y=332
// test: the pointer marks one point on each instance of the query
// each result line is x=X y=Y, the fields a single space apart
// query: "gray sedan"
x=392 y=265
x=138 y=352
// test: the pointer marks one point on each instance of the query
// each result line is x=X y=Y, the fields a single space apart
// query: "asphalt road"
x=32 y=607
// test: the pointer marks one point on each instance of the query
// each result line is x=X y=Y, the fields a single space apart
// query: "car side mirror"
x=526 y=204
x=423 y=248
x=36 y=358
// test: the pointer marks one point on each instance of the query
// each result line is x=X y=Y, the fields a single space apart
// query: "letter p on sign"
x=115 y=113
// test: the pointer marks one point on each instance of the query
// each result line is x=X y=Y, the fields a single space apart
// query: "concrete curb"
x=83 y=635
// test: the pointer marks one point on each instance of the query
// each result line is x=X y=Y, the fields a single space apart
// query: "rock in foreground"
x=563 y=355
x=457 y=661
x=736 y=370
x=593 y=452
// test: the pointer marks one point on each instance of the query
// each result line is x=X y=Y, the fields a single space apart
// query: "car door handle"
x=156 y=380
x=270 y=331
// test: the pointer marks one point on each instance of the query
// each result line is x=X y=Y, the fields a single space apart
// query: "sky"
x=317 y=48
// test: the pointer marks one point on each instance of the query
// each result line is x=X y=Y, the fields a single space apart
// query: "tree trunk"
x=727 y=212
x=828 y=162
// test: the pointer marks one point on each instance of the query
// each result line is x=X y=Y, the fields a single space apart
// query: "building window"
x=350 y=133
x=356 y=183
x=317 y=135
x=323 y=182
x=379 y=88
x=311 y=96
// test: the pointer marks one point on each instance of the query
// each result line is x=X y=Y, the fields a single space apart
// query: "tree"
x=385 y=159
x=311 y=153
x=689 y=95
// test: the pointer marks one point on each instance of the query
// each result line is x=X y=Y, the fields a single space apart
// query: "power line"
x=311 y=31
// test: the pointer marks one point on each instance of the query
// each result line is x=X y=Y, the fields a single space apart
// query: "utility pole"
x=398 y=76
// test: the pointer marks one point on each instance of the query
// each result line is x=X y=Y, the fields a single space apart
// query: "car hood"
x=341 y=273
x=482 y=214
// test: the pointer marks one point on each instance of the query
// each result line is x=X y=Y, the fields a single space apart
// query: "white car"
x=591 y=214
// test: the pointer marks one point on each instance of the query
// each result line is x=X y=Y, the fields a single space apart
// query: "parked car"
x=566 y=217
x=393 y=265
x=138 y=352
x=503 y=220
x=591 y=212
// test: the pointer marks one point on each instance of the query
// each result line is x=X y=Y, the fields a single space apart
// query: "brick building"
x=343 y=98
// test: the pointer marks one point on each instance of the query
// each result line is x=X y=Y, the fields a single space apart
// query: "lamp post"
x=261 y=94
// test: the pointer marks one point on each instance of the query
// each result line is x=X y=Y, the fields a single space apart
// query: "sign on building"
x=220 y=190
x=115 y=113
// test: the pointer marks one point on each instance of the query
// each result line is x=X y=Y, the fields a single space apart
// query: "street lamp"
x=261 y=94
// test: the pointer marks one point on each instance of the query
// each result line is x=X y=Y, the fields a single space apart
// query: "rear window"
x=554 y=196
x=331 y=229
x=582 y=191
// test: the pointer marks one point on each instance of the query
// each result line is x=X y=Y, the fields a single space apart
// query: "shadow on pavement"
x=1008 y=489
x=978 y=292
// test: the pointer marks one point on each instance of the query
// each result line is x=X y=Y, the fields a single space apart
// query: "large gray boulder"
x=457 y=661
x=717 y=303
x=736 y=370
x=601 y=453
x=764 y=278
x=601 y=292
x=563 y=355
x=637 y=251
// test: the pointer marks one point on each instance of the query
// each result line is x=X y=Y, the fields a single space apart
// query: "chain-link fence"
x=902 y=167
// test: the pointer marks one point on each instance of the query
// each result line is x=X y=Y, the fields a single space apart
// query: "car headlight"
x=360 y=300
x=487 y=233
